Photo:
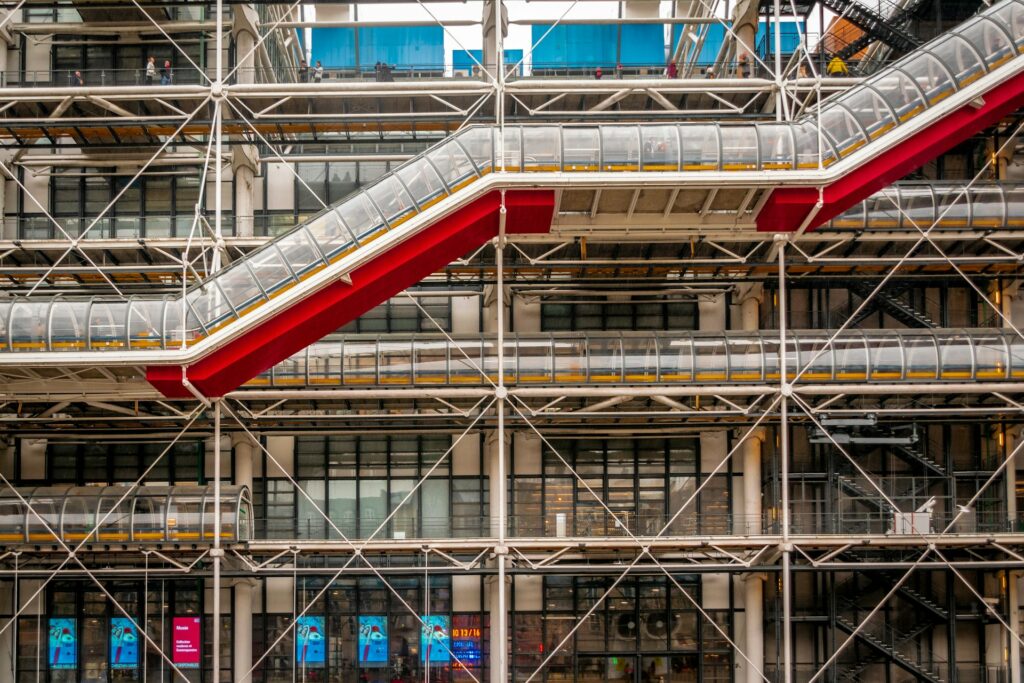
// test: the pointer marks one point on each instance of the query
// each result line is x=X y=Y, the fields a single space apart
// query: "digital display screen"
x=434 y=643
x=466 y=646
x=187 y=642
x=310 y=642
x=63 y=652
x=373 y=640
x=124 y=644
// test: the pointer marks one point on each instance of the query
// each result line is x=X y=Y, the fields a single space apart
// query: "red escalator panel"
x=787 y=208
x=228 y=367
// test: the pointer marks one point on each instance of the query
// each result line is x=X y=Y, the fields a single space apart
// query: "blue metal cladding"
x=574 y=46
x=462 y=60
x=765 y=39
x=642 y=45
x=335 y=48
x=604 y=45
x=407 y=47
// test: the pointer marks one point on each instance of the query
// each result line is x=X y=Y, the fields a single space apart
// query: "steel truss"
x=201 y=117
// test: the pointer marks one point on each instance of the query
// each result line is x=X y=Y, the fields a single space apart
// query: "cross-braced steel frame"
x=501 y=408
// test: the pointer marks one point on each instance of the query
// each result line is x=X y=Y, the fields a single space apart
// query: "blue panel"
x=334 y=47
x=789 y=39
x=712 y=43
x=578 y=45
x=642 y=45
x=418 y=48
x=461 y=60
x=765 y=40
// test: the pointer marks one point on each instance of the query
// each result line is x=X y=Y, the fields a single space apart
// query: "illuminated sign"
x=434 y=641
x=373 y=640
x=310 y=642
x=63 y=643
x=466 y=646
x=124 y=644
x=187 y=642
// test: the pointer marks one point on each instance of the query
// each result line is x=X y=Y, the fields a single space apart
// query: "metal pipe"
x=786 y=389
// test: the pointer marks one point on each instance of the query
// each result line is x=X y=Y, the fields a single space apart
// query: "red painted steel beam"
x=788 y=207
x=293 y=329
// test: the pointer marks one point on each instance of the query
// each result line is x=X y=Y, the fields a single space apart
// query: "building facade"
x=322 y=360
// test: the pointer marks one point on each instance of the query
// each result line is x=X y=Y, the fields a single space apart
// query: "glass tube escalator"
x=953 y=355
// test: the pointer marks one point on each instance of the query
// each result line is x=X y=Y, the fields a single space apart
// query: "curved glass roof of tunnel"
x=116 y=514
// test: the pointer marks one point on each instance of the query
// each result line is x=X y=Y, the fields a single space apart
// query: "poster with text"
x=63 y=643
x=124 y=644
x=373 y=640
x=434 y=640
x=187 y=649
x=310 y=643
x=466 y=646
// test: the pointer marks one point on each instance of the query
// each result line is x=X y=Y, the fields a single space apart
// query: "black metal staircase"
x=891 y=303
x=918 y=455
x=888 y=641
x=889 y=30
x=871 y=498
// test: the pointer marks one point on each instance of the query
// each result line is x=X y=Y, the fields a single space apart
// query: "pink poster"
x=187 y=642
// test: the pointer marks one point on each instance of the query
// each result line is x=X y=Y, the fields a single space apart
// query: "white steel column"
x=499 y=655
x=241 y=608
x=244 y=163
x=1013 y=618
x=749 y=297
x=1003 y=296
x=241 y=625
x=244 y=158
x=745 y=18
x=242 y=453
x=786 y=390
x=217 y=553
x=245 y=32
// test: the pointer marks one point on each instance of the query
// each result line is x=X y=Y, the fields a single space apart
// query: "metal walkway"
x=654 y=358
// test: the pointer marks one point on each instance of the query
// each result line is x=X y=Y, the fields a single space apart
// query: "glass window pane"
x=900 y=92
x=581 y=149
x=960 y=59
x=1011 y=16
x=541 y=149
x=240 y=287
x=660 y=148
x=870 y=111
x=453 y=164
x=621 y=148
x=844 y=132
x=776 y=147
x=700 y=148
x=739 y=148
x=930 y=77
x=423 y=182
x=393 y=200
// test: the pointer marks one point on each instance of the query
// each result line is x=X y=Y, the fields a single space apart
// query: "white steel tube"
x=787 y=625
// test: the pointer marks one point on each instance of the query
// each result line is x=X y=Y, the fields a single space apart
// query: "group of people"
x=318 y=72
x=382 y=73
x=165 y=73
x=151 y=75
